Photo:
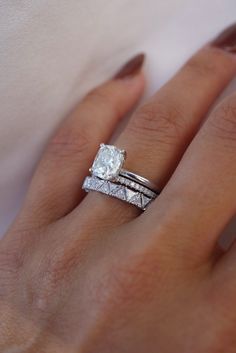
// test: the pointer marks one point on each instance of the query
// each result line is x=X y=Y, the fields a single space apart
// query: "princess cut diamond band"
x=120 y=192
x=109 y=177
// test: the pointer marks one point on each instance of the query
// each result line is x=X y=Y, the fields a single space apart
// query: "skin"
x=92 y=274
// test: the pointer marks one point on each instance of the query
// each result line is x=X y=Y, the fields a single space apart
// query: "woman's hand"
x=92 y=274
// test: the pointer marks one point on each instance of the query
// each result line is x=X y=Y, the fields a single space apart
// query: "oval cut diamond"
x=108 y=162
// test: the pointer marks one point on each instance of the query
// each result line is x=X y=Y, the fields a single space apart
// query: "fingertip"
x=131 y=68
x=131 y=76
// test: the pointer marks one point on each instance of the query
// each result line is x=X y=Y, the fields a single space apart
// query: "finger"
x=223 y=276
x=159 y=132
x=199 y=200
x=56 y=186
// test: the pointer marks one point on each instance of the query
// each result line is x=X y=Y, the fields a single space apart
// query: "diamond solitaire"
x=109 y=178
x=108 y=162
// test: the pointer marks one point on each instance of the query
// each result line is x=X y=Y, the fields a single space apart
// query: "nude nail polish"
x=227 y=39
x=132 y=67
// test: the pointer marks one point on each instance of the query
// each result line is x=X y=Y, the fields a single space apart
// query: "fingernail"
x=227 y=39
x=132 y=67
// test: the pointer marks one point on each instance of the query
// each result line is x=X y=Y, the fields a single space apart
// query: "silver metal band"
x=136 y=186
x=109 y=177
x=121 y=192
x=139 y=179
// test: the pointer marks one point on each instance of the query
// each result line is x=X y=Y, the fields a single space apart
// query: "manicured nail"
x=132 y=67
x=227 y=39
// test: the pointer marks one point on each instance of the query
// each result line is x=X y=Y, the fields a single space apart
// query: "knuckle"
x=69 y=142
x=130 y=282
x=10 y=264
x=158 y=122
x=48 y=279
x=12 y=260
x=223 y=121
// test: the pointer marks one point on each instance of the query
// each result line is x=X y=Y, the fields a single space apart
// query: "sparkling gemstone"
x=136 y=199
x=105 y=187
x=121 y=193
x=145 y=201
x=86 y=183
x=114 y=188
x=108 y=162
x=129 y=194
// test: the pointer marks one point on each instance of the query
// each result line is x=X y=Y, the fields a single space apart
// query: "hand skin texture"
x=91 y=274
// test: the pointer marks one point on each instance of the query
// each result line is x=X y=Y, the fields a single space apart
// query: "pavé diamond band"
x=139 y=179
x=136 y=186
x=109 y=177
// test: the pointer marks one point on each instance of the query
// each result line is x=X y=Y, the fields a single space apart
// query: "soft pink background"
x=53 y=52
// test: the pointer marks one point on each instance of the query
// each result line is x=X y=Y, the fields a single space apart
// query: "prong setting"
x=108 y=162
x=109 y=177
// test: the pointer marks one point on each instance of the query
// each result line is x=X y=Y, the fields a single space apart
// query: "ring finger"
x=159 y=132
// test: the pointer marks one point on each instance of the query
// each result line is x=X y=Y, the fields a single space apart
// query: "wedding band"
x=109 y=177
x=136 y=186
x=139 y=179
x=120 y=192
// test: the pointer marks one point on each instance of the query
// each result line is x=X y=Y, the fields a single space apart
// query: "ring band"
x=109 y=177
x=139 y=179
x=136 y=186
x=120 y=192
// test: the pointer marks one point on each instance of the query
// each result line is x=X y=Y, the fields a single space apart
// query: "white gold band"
x=109 y=177
x=140 y=180
x=121 y=192
x=136 y=186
